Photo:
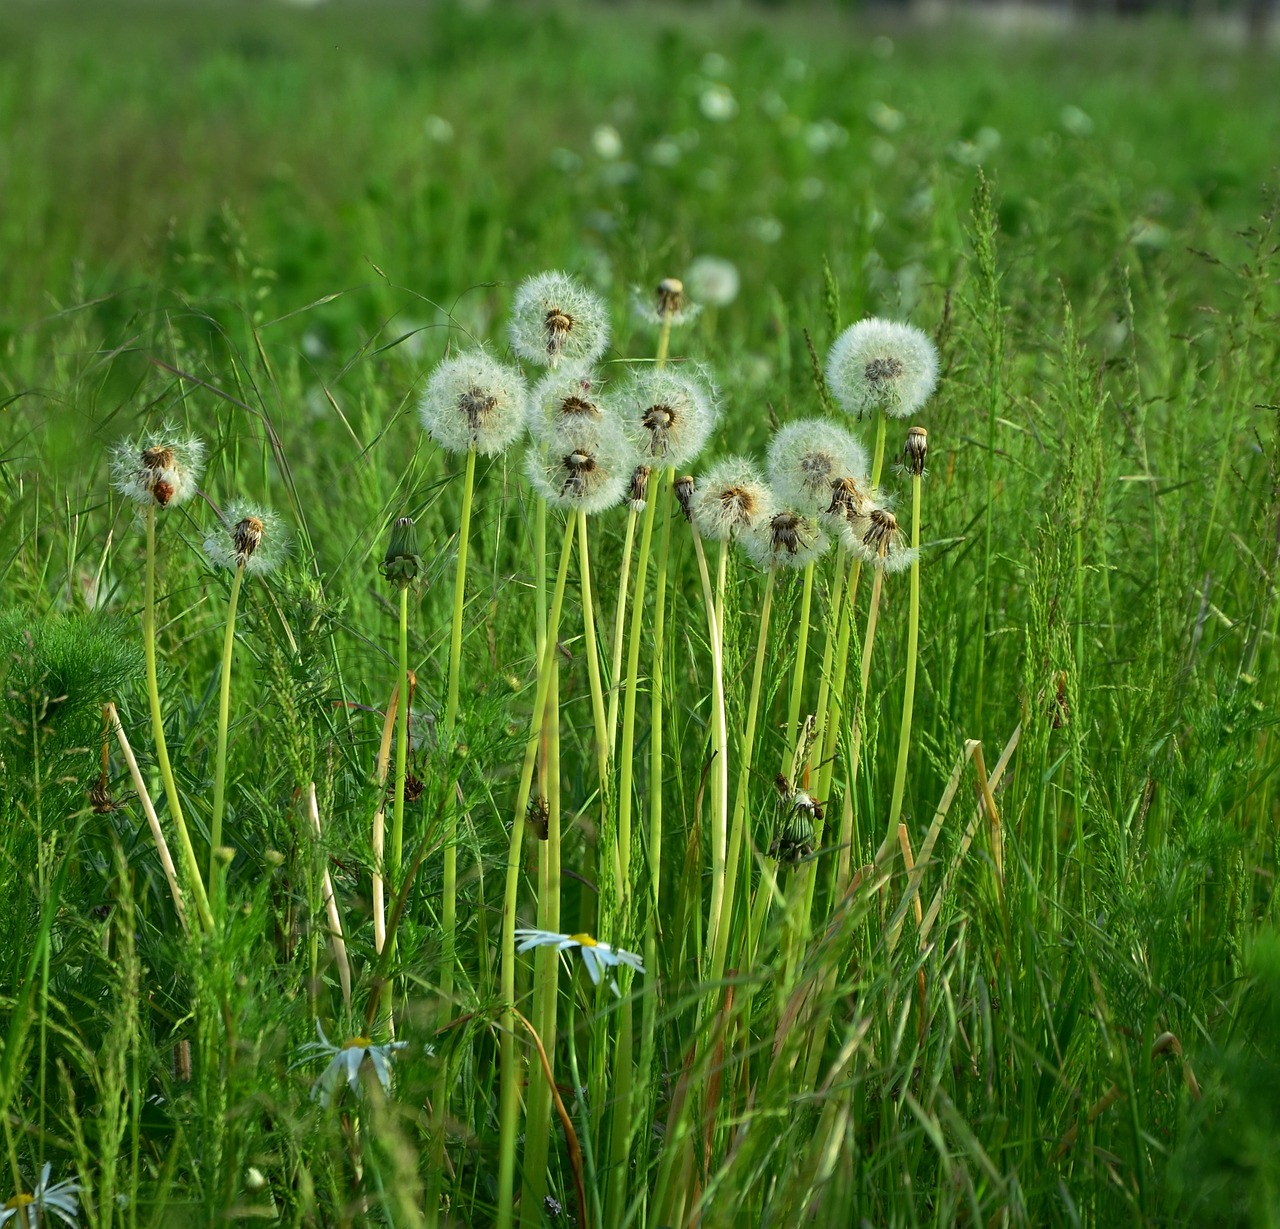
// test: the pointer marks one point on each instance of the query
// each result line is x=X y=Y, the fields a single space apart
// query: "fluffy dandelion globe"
x=251 y=537
x=582 y=467
x=880 y=542
x=473 y=401
x=731 y=499
x=881 y=364
x=807 y=458
x=160 y=468
x=555 y=318
x=666 y=414
x=713 y=280
x=786 y=538
x=570 y=397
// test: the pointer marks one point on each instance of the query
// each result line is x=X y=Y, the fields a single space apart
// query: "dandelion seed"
x=597 y=956
x=585 y=467
x=666 y=414
x=786 y=538
x=713 y=280
x=880 y=364
x=347 y=1060
x=554 y=318
x=473 y=401
x=160 y=468
x=805 y=458
x=731 y=499
x=27 y=1211
x=251 y=536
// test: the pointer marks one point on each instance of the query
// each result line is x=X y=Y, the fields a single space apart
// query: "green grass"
x=246 y=222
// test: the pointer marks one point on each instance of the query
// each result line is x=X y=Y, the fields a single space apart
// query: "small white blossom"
x=345 y=1061
x=597 y=956
x=44 y=1203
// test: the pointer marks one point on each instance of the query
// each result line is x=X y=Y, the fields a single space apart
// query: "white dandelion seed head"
x=474 y=401
x=668 y=305
x=252 y=535
x=585 y=467
x=880 y=542
x=808 y=457
x=786 y=538
x=713 y=280
x=571 y=397
x=667 y=414
x=160 y=467
x=732 y=498
x=555 y=319
x=881 y=364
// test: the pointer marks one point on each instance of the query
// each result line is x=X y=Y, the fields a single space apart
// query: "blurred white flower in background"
x=717 y=103
x=438 y=129
x=1075 y=121
x=606 y=142
x=886 y=118
x=712 y=280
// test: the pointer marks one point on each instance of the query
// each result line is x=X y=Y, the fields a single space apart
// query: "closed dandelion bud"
x=402 y=563
x=787 y=538
x=883 y=544
x=554 y=318
x=160 y=469
x=684 y=495
x=915 y=450
x=473 y=401
x=731 y=499
x=670 y=296
x=806 y=458
x=638 y=492
x=251 y=537
x=667 y=414
x=880 y=364
x=582 y=467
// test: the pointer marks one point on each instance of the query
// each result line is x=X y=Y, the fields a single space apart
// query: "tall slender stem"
x=509 y=1095
x=620 y=629
x=909 y=687
x=402 y=750
x=593 y=658
x=157 y=728
x=797 y=678
x=224 y=715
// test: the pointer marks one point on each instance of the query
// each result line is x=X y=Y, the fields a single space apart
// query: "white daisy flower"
x=554 y=317
x=474 y=401
x=597 y=956
x=882 y=364
x=255 y=538
x=161 y=467
x=346 y=1060
x=46 y=1201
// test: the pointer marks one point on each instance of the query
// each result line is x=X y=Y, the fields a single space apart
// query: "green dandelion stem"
x=797 y=676
x=157 y=727
x=509 y=1103
x=831 y=736
x=224 y=713
x=909 y=687
x=402 y=747
x=593 y=659
x=620 y=627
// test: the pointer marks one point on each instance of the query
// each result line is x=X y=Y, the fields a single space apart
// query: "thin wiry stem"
x=224 y=715
x=797 y=678
x=909 y=687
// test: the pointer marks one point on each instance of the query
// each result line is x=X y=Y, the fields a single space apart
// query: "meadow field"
x=410 y=817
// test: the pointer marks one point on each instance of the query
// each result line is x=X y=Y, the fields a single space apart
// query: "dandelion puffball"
x=882 y=543
x=880 y=364
x=713 y=280
x=570 y=396
x=807 y=458
x=666 y=414
x=251 y=537
x=554 y=318
x=473 y=401
x=786 y=538
x=732 y=498
x=582 y=467
x=161 y=468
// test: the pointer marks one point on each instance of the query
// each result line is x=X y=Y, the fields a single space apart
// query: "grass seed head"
x=881 y=364
x=473 y=401
x=667 y=414
x=162 y=467
x=555 y=318
x=732 y=498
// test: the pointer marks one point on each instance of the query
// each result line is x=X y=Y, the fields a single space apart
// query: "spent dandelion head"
x=884 y=365
x=915 y=451
x=581 y=467
x=555 y=318
x=160 y=468
x=474 y=401
x=731 y=499
x=881 y=542
x=806 y=458
x=786 y=538
x=667 y=305
x=638 y=491
x=250 y=536
x=667 y=414
x=685 y=490
x=596 y=956
x=402 y=564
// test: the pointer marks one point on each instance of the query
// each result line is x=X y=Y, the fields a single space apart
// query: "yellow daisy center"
x=19 y=1201
x=357 y=1043
x=584 y=940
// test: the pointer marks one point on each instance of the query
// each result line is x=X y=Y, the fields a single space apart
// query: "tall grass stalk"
x=510 y=1082
x=801 y=660
x=220 y=754
x=157 y=729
